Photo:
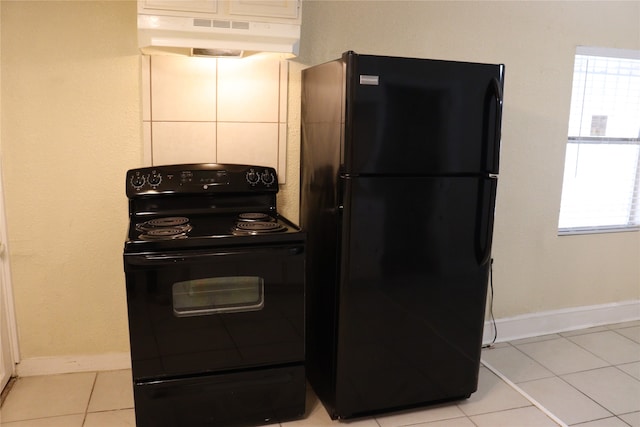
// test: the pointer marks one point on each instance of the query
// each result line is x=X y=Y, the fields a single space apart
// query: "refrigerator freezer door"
x=419 y=116
x=413 y=290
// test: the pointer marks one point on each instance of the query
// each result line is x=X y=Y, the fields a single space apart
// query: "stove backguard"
x=201 y=178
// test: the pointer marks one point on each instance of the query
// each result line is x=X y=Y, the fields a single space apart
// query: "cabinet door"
x=210 y=6
x=271 y=8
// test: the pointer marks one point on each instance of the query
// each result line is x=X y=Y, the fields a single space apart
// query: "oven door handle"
x=173 y=258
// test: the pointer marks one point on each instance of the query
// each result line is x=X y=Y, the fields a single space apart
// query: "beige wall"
x=71 y=127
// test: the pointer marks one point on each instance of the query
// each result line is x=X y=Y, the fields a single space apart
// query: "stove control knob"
x=155 y=179
x=137 y=181
x=253 y=177
x=267 y=178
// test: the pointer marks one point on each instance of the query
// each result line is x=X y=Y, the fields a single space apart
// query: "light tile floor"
x=588 y=378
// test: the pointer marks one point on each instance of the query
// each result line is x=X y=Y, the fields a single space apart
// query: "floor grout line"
x=524 y=394
x=93 y=388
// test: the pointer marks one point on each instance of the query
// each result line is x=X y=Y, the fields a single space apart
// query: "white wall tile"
x=282 y=153
x=183 y=142
x=240 y=105
x=284 y=92
x=146 y=143
x=248 y=89
x=183 y=88
x=145 y=66
x=248 y=143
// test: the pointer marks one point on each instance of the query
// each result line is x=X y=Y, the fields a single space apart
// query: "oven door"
x=215 y=310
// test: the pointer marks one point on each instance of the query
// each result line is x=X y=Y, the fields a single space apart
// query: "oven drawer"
x=234 y=399
x=211 y=311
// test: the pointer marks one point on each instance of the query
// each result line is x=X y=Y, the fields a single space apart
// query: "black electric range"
x=215 y=297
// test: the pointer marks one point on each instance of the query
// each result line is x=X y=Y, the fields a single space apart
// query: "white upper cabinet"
x=204 y=6
x=219 y=27
x=285 y=11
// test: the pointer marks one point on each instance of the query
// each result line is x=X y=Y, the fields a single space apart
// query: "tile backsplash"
x=198 y=110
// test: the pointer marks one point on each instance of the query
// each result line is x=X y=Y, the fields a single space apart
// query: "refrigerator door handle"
x=492 y=142
x=497 y=91
x=484 y=225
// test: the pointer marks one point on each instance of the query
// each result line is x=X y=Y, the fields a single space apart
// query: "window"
x=600 y=191
x=218 y=295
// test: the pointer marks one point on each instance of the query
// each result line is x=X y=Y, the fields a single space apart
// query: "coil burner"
x=253 y=227
x=167 y=228
x=254 y=216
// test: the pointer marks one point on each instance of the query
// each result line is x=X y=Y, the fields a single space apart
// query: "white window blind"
x=600 y=191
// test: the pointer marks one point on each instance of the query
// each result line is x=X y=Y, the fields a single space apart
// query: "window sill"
x=598 y=230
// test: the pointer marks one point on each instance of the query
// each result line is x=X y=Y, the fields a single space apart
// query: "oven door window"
x=218 y=295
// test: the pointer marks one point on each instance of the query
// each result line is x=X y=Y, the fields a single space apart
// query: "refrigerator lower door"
x=415 y=258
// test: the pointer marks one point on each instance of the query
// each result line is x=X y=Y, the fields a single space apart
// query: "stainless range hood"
x=218 y=28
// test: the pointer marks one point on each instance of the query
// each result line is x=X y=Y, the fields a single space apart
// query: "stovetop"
x=208 y=230
x=174 y=207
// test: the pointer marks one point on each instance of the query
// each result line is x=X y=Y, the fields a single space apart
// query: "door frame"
x=9 y=354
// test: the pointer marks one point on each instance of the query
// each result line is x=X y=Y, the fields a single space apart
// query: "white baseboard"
x=68 y=364
x=551 y=322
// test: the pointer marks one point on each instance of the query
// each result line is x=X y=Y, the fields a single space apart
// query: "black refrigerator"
x=399 y=164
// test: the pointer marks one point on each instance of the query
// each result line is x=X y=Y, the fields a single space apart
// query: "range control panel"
x=201 y=178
